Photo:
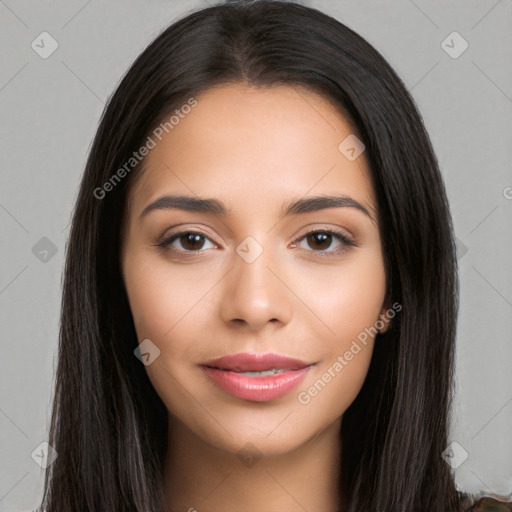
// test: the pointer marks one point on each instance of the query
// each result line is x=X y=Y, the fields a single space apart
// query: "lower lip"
x=256 y=389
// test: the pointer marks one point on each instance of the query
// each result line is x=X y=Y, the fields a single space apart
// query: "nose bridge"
x=254 y=294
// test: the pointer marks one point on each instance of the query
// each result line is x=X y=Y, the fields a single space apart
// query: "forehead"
x=261 y=144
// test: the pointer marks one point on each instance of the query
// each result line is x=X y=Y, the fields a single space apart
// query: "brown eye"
x=319 y=240
x=189 y=241
x=192 y=241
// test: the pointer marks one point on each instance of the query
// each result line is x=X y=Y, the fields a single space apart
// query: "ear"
x=384 y=316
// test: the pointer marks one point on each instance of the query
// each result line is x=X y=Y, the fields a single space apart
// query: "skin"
x=254 y=149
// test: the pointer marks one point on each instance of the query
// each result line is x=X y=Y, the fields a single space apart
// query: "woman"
x=260 y=293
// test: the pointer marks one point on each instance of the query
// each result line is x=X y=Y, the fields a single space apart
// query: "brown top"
x=488 y=502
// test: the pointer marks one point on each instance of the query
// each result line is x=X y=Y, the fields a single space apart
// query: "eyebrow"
x=214 y=206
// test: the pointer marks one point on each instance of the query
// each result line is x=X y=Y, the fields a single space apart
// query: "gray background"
x=50 y=110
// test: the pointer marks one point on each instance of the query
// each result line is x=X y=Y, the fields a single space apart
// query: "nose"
x=256 y=292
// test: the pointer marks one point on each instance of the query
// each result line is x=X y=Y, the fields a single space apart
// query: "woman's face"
x=257 y=280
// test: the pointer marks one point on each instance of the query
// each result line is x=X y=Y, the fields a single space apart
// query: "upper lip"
x=247 y=362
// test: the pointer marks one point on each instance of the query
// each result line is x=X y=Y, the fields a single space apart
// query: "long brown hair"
x=108 y=425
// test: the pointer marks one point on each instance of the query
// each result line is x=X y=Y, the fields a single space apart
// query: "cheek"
x=336 y=384
x=346 y=299
x=171 y=306
x=162 y=303
x=160 y=296
x=349 y=306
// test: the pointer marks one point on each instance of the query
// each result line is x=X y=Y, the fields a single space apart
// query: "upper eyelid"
x=177 y=234
x=311 y=227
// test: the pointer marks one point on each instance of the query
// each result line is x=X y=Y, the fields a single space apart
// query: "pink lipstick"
x=256 y=377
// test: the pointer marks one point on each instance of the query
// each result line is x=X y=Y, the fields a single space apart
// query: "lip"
x=225 y=372
x=253 y=362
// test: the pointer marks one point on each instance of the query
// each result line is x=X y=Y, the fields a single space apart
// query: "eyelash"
x=346 y=242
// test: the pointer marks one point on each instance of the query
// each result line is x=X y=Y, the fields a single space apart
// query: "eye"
x=194 y=241
x=322 y=239
x=190 y=241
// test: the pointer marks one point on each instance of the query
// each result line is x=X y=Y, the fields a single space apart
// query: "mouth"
x=257 y=377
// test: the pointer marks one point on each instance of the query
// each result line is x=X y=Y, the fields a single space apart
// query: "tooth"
x=264 y=373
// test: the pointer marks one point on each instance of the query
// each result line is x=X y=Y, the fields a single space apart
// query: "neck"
x=200 y=477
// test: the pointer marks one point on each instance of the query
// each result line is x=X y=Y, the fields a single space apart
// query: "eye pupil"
x=192 y=239
x=320 y=238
